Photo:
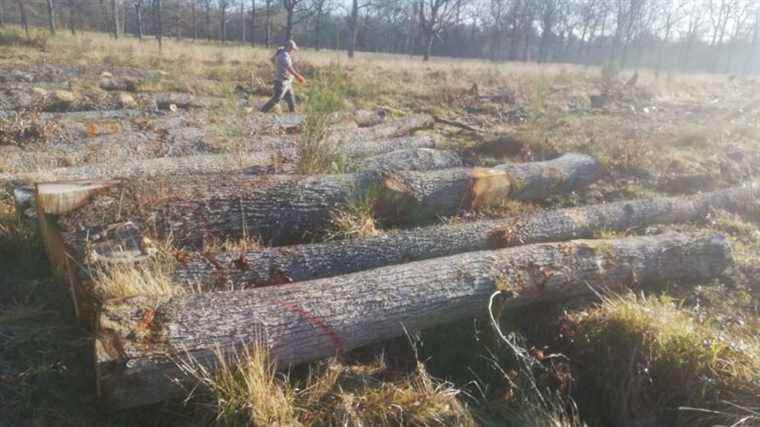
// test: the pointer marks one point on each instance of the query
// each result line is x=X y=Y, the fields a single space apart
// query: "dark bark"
x=268 y=40
x=22 y=14
x=243 y=22
x=354 y=22
x=160 y=28
x=222 y=20
x=319 y=260
x=253 y=22
x=115 y=19
x=51 y=16
x=282 y=209
x=139 y=16
x=195 y=19
x=140 y=340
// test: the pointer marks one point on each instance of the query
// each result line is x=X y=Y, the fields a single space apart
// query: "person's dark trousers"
x=282 y=90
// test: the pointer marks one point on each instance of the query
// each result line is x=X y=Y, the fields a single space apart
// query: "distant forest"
x=684 y=35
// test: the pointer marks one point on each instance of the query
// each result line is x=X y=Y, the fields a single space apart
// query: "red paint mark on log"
x=316 y=322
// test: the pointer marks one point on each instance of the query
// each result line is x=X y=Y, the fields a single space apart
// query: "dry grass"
x=355 y=219
x=152 y=278
x=648 y=358
x=247 y=390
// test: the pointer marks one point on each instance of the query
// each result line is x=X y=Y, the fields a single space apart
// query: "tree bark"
x=354 y=22
x=22 y=13
x=51 y=16
x=223 y=20
x=268 y=23
x=139 y=17
x=283 y=209
x=253 y=22
x=115 y=18
x=243 y=22
x=319 y=260
x=160 y=29
x=140 y=340
x=195 y=19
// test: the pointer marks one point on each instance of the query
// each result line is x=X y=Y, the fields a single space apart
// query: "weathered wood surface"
x=140 y=339
x=298 y=263
x=387 y=129
x=281 y=209
x=413 y=159
x=408 y=197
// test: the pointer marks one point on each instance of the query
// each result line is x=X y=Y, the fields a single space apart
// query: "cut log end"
x=56 y=198
x=489 y=187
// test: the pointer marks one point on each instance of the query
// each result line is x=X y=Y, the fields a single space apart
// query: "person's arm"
x=292 y=71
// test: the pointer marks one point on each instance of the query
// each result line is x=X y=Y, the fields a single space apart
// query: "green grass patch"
x=648 y=358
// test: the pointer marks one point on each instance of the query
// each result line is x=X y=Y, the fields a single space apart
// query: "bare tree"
x=292 y=7
x=253 y=22
x=268 y=23
x=242 y=21
x=51 y=16
x=160 y=28
x=139 y=28
x=320 y=7
x=22 y=13
x=434 y=17
x=223 y=19
x=115 y=18
x=195 y=18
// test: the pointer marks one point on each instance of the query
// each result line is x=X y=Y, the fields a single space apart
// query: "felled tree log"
x=420 y=159
x=408 y=197
x=389 y=129
x=298 y=263
x=282 y=208
x=140 y=340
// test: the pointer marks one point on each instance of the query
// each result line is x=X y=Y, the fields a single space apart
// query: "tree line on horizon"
x=683 y=35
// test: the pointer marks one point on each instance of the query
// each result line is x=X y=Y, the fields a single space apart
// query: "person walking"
x=283 y=78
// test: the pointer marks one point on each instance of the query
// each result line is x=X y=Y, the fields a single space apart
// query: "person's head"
x=291 y=46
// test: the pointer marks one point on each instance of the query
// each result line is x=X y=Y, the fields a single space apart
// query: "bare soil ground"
x=663 y=134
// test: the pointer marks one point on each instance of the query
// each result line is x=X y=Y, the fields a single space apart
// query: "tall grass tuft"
x=647 y=358
x=325 y=96
x=247 y=390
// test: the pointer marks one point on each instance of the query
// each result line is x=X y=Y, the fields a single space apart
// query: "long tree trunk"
x=141 y=340
x=2 y=12
x=208 y=20
x=139 y=17
x=268 y=23
x=22 y=13
x=195 y=19
x=223 y=21
x=72 y=16
x=283 y=209
x=354 y=23
x=51 y=16
x=160 y=28
x=253 y=22
x=318 y=260
x=115 y=18
x=318 y=27
x=243 y=22
x=289 y=23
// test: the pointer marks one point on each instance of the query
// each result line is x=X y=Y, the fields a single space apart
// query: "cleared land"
x=154 y=222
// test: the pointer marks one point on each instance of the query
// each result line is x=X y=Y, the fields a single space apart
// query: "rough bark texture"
x=410 y=197
x=420 y=159
x=140 y=340
x=282 y=209
x=318 y=260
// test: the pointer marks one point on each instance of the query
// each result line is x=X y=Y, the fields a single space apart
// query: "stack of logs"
x=307 y=301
